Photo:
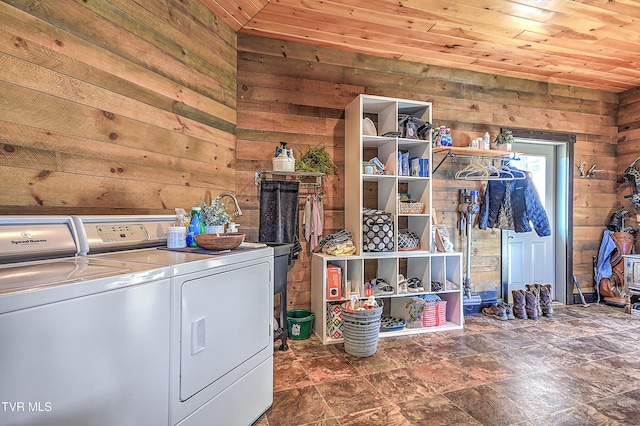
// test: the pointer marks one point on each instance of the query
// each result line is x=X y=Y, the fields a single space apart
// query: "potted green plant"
x=215 y=215
x=504 y=140
x=316 y=160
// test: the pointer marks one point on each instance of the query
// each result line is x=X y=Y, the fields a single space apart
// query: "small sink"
x=279 y=249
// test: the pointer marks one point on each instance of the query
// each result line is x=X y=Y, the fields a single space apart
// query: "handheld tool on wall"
x=469 y=206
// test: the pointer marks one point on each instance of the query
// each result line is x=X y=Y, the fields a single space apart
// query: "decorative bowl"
x=220 y=241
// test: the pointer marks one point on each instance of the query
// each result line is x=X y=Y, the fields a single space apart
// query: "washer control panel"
x=99 y=234
x=130 y=233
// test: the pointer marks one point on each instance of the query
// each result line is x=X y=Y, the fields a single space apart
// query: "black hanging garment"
x=279 y=213
x=513 y=205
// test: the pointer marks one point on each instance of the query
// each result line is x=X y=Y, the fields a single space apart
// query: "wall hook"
x=591 y=173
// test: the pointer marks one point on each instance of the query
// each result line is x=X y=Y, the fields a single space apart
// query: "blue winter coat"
x=525 y=202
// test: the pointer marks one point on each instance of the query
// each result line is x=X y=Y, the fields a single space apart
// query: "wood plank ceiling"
x=586 y=43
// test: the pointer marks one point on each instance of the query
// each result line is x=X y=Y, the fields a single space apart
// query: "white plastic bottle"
x=177 y=234
x=486 y=141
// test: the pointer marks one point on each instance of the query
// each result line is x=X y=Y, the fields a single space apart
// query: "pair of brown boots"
x=532 y=302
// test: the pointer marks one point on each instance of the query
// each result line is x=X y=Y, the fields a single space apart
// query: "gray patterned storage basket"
x=361 y=330
x=408 y=240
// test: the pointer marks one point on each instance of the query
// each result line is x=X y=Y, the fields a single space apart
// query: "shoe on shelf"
x=414 y=285
x=402 y=285
x=451 y=285
x=380 y=287
x=508 y=309
x=391 y=324
x=495 y=311
x=436 y=286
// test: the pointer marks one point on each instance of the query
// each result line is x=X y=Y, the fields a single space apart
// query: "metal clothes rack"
x=454 y=152
x=469 y=209
x=486 y=172
x=308 y=179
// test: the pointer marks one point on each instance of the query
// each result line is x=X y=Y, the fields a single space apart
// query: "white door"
x=528 y=258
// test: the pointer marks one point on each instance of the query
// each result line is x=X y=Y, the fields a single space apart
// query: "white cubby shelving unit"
x=380 y=191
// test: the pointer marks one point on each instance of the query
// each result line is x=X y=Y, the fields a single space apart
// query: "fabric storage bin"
x=377 y=231
x=434 y=313
x=335 y=323
x=415 y=308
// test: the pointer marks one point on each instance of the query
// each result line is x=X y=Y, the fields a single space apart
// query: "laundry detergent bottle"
x=196 y=227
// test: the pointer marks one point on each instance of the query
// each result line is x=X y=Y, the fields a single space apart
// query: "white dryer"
x=221 y=328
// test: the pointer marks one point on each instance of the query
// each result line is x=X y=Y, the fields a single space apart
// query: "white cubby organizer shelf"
x=381 y=192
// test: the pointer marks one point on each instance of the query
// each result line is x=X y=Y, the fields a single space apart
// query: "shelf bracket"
x=447 y=155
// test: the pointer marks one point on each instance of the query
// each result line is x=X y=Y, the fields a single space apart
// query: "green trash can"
x=299 y=324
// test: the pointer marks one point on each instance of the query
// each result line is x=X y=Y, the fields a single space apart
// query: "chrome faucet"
x=235 y=201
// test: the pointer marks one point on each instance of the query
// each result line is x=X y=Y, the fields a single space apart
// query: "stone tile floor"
x=580 y=367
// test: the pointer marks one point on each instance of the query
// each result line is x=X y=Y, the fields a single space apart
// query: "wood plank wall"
x=130 y=107
x=628 y=151
x=114 y=106
x=296 y=93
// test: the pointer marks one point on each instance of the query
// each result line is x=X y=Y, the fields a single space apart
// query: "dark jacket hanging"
x=526 y=207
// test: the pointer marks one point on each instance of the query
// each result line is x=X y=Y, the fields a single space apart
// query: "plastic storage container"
x=299 y=324
x=478 y=301
x=176 y=237
x=284 y=164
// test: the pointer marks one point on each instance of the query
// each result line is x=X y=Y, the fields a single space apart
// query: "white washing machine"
x=83 y=341
x=221 y=368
